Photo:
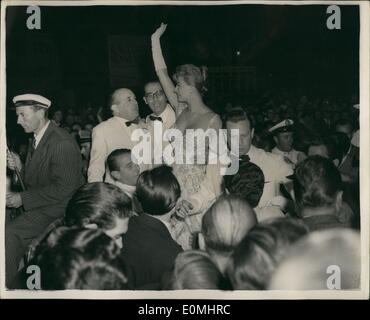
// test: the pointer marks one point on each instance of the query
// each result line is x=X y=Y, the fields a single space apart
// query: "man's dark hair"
x=158 y=190
x=327 y=142
x=316 y=182
x=113 y=164
x=247 y=183
x=100 y=203
x=236 y=116
x=261 y=251
x=80 y=259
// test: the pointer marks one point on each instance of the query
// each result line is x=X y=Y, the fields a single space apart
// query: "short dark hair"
x=80 y=259
x=100 y=203
x=158 y=190
x=247 y=183
x=236 y=116
x=327 y=142
x=112 y=162
x=316 y=182
x=194 y=269
x=150 y=82
x=261 y=251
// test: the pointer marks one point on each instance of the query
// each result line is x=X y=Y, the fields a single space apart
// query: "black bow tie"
x=153 y=118
x=135 y=121
x=244 y=158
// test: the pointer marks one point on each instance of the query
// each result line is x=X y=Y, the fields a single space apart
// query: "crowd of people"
x=92 y=217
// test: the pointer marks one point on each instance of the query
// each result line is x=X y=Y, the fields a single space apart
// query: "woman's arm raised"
x=161 y=68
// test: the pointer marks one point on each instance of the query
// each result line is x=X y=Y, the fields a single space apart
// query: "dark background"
x=290 y=46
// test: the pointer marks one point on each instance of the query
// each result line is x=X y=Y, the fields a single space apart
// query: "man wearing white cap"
x=52 y=172
x=283 y=137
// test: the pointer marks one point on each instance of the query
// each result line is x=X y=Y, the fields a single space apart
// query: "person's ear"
x=92 y=226
x=339 y=200
x=114 y=108
x=115 y=174
x=252 y=133
x=146 y=102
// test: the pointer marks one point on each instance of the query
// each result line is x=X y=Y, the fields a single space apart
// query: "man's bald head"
x=124 y=104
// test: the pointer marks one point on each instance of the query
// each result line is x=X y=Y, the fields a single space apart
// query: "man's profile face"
x=245 y=134
x=118 y=231
x=155 y=98
x=29 y=118
x=284 y=141
x=128 y=170
x=125 y=104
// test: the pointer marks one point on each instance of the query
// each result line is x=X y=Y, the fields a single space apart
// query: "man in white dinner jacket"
x=114 y=133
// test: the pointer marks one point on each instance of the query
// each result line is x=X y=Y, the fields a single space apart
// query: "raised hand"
x=158 y=33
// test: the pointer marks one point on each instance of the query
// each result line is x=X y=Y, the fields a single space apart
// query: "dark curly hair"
x=316 y=182
x=247 y=183
x=72 y=258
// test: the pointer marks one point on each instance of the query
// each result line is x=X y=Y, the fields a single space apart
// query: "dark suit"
x=149 y=250
x=350 y=165
x=51 y=176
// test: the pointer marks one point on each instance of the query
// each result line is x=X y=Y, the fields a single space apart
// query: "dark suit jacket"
x=52 y=174
x=350 y=166
x=322 y=222
x=149 y=250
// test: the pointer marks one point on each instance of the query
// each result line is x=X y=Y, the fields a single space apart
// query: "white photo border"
x=363 y=293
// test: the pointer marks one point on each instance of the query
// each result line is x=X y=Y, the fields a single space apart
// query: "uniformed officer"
x=283 y=137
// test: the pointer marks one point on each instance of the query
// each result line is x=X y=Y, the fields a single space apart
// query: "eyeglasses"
x=157 y=94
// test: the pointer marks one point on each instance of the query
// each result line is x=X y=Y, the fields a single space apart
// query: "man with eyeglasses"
x=156 y=99
x=162 y=112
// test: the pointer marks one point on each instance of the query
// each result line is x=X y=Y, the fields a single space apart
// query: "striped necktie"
x=32 y=146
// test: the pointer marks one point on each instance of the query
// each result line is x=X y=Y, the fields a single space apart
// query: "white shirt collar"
x=276 y=149
x=129 y=190
x=41 y=133
x=165 y=113
x=122 y=120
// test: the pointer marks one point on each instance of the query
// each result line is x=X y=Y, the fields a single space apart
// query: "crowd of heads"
x=233 y=251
